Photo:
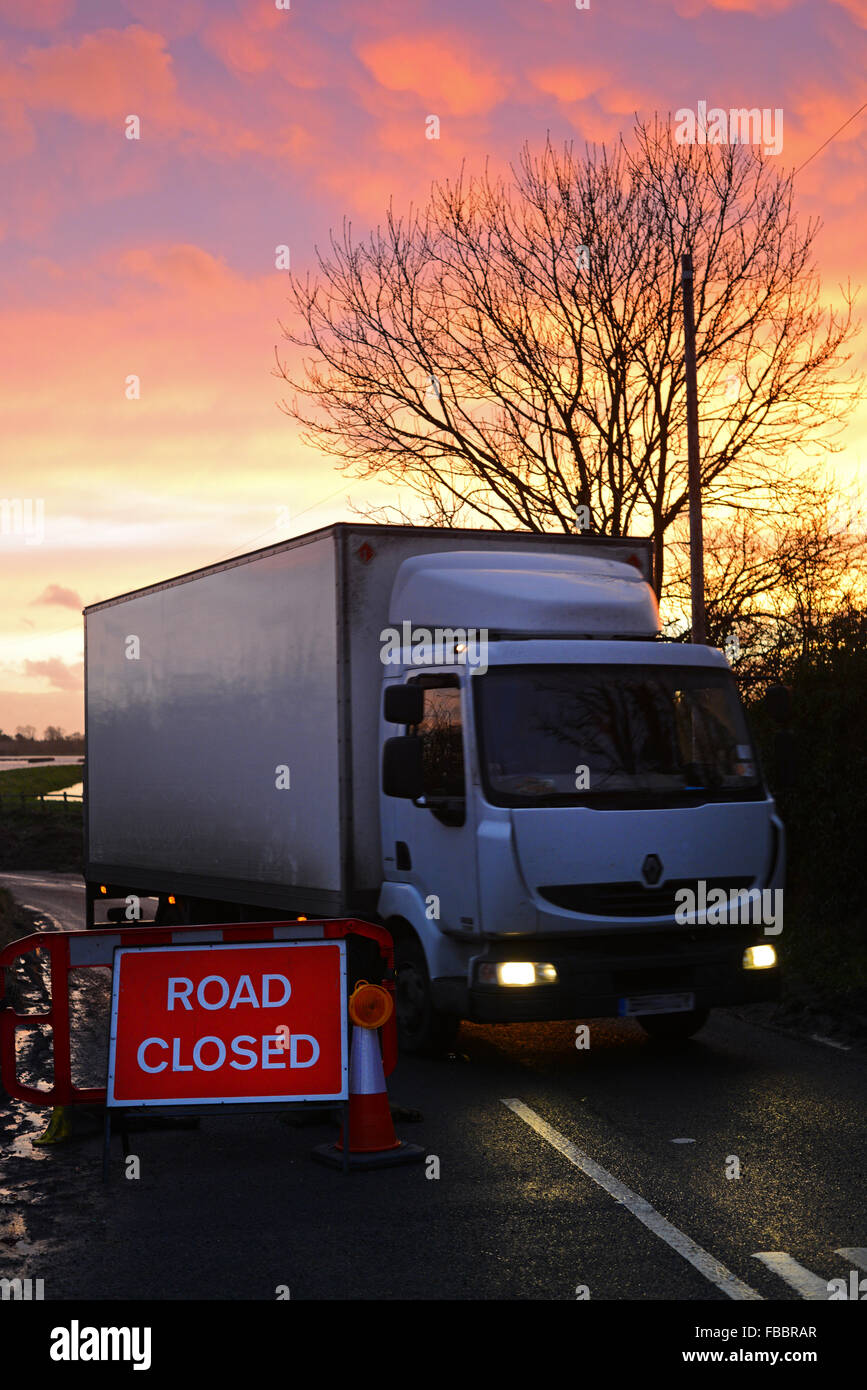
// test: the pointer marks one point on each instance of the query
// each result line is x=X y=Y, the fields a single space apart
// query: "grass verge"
x=14 y=922
x=33 y=781
x=46 y=835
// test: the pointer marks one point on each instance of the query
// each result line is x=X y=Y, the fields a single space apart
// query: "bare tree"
x=513 y=351
x=771 y=584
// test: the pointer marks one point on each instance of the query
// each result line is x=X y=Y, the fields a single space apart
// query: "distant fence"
x=20 y=799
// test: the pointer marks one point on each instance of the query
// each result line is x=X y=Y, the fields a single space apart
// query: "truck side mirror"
x=404 y=704
x=402 y=773
x=778 y=703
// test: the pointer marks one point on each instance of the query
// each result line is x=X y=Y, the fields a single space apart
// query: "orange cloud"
x=623 y=101
x=57 y=673
x=181 y=266
x=36 y=14
x=446 y=73
x=104 y=77
x=171 y=18
x=568 y=83
x=251 y=44
x=239 y=49
x=857 y=9
x=64 y=598
x=761 y=8
x=816 y=113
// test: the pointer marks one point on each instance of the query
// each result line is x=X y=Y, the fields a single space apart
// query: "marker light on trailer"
x=759 y=957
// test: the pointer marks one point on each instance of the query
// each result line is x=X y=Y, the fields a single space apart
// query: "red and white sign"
x=228 y=1023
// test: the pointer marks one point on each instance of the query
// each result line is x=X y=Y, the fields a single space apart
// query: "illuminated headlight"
x=516 y=972
x=759 y=957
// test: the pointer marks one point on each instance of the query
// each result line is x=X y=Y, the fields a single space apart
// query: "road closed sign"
x=229 y=1023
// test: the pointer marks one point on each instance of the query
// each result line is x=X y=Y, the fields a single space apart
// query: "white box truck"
x=476 y=738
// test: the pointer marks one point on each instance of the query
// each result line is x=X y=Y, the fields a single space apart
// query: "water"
x=75 y=791
x=7 y=764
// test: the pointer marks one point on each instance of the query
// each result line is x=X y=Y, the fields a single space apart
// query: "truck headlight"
x=759 y=957
x=516 y=972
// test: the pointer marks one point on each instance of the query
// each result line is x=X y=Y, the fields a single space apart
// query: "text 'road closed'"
x=228 y=1023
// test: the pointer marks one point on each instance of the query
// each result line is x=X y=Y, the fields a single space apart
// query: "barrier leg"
x=106 y=1144
x=58 y=1127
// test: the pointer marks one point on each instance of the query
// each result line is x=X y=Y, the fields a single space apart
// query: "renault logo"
x=651 y=869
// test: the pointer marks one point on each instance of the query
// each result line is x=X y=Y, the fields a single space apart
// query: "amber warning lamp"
x=370 y=1005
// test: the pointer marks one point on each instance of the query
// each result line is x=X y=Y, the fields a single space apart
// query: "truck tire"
x=674 y=1027
x=421 y=1028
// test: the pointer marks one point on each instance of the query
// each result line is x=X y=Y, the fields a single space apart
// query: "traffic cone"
x=58 y=1128
x=372 y=1140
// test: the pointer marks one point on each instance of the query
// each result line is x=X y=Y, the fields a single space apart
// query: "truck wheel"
x=420 y=1027
x=674 y=1027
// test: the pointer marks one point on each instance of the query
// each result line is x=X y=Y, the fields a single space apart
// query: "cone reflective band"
x=370 y=1126
x=370 y=1006
x=372 y=1140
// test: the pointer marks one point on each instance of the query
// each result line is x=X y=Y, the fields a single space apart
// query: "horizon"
x=153 y=257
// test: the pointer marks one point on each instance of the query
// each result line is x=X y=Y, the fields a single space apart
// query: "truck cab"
x=574 y=820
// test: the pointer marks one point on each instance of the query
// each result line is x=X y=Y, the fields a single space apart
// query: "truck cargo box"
x=232 y=716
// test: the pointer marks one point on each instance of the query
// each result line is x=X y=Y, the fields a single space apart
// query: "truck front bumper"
x=595 y=975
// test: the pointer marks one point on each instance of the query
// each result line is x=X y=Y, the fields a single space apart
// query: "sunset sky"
x=260 y=127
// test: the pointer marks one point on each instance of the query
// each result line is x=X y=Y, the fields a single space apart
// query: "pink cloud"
x=105 y=76
x=170 y=17
x=63 y=598
x=250 y=44
x=57 y=673
x=857 y=9
x=568 y=82
x=761 y=8
x=183 y=266
x=36 y=14
x=238 y=48
x=445 y=73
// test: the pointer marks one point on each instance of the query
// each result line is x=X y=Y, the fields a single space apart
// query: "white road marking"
x=803 y=1281
x=829 y=1042
x=857 y=1257
x=64 y=884
x=706 y=1265
x=683 y=1141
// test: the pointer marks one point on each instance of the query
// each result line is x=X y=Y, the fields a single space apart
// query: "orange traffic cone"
x=372 y=1140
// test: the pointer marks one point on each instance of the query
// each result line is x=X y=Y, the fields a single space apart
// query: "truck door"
x=434 y=844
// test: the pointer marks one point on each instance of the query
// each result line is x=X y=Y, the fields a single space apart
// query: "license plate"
x=636 y=1004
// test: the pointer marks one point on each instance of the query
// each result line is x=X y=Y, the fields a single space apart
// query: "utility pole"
x=696 y=545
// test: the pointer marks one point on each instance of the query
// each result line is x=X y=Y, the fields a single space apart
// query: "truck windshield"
x=612 y=734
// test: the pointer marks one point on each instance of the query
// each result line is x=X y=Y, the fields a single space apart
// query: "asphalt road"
x=605 y=1172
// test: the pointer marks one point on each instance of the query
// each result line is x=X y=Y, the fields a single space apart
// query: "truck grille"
x=631 y=899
